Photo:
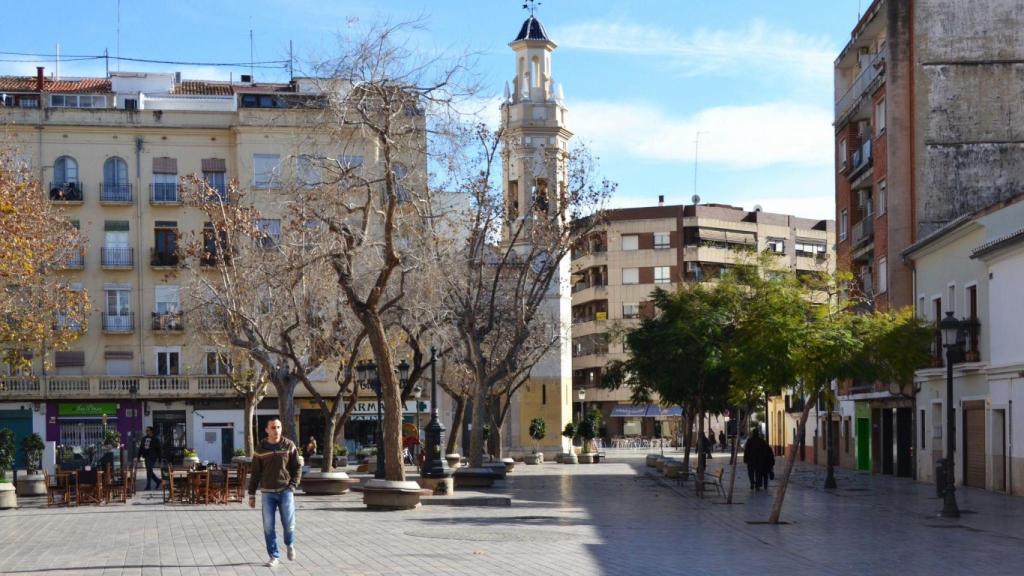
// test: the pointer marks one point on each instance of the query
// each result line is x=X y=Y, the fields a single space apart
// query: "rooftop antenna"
x=696 y=152
x=56 y=67
x=291 y=69
x=118 y=35
x=250 y=50
x=531 y=6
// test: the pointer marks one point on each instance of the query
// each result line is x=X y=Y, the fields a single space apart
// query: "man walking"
x=150 y=452
x=276 y=471
x=754 y=458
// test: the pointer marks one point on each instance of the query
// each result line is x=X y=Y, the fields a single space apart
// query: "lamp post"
x=581 y=394
x=950 y=328
x=417 y=393
x=435 y=465
x=830 y=478
x=366 y=373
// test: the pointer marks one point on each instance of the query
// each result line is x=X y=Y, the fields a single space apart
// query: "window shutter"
x=118 y=355
x=165 y=165
x=115 y=226
x=214 y=165
x=167 y=294
x=69 y=359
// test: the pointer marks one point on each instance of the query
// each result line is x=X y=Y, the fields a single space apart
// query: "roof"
x=79 y=85
x=532 y=30
x=937 y=234
x=203 y=88
x=1002 y=242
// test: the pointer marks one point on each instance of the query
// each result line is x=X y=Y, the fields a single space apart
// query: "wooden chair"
x=236 y=483
x=59 y=488
x=90 y=487
x=174 y=484
x=218 y=486
x=199 y=486
x=116 y=487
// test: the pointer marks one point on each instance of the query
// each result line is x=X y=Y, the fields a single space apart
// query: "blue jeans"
x=272 y=502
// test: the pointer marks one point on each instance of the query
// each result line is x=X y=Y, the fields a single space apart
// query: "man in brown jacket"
x=276 y=471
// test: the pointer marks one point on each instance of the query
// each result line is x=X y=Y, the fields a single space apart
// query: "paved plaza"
x=611 y=518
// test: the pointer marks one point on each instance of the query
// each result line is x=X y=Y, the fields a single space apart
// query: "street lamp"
x=435 y=465
x=417 y=393
x=951 y=330
x=581 y=394
x=366 y=373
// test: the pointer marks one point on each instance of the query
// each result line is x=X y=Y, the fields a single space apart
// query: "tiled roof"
x=532 y=30
x=262 y=88
x=28 y=84
x=203 y=88
x=998 y=243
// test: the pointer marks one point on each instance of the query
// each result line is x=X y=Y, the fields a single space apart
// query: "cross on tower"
x=531 y=5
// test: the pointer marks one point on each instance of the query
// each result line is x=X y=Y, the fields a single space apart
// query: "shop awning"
x=645 y=411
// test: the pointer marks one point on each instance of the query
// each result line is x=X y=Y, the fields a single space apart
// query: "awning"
x=645 y=411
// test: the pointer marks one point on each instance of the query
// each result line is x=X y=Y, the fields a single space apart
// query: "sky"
x=641 y=77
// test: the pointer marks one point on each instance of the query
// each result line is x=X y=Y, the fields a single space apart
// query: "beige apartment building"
x=111 y=152
x=640 y=249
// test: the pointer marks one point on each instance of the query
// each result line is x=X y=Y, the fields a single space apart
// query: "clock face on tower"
x=540 y=261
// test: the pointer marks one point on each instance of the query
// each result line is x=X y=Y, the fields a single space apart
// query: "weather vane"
x=531 y=5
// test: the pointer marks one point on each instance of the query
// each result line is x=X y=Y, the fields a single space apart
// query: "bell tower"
x=535 y=172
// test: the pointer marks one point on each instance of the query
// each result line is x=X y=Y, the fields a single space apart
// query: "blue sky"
x=641 y=77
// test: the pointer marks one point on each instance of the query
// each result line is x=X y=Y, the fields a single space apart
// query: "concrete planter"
x=674 y=469
x=509 y=463
x=586 y=458
x=439 y=486
x=660 y=463
x=569 y=458
x=651 y=459
x=31 y=485
x=454 y=460
x=327 y=483
x=389 y=495
x=8 y=496
x=474 y=477
x=340 y=461
x=499 y=469
x=316 y=461
x=533 y=459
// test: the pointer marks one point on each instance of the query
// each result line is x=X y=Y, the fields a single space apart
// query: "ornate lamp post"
x=366 y=373
x=951 y=328
x=417 y=393
x=435 y=465
x=581 y=394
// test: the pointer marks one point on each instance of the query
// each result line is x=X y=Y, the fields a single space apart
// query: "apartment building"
x=111 y=152
x=637 y=250
x=925 y=131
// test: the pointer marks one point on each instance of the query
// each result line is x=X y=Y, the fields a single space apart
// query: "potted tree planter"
x=239 y=458
x=327 y=483
x=191 y=458
x=454 y=459
x=8 y=496
x=33 y=483
x=587 y=431
x=570 y=433
x=340 y=456
x=538 y=430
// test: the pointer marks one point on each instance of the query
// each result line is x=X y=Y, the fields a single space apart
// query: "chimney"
x=39 y=78
x=661 y=199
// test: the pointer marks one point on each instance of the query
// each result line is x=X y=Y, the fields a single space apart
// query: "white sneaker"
x=291 y=552
x=273 y=562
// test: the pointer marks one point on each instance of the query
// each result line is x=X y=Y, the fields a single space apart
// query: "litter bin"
x=940 y=477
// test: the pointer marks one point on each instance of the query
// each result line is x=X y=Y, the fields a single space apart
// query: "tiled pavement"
x=611 y=518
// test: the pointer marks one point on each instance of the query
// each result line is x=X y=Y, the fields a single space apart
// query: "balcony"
x=863 y=231
x=74 y=260
x=871 y=71
x=164 y=194
x=115 y=193
x=168 y=322
x=118 y=323
x=117 y=258
x=105 y=387
x=163 y=258
x=862 y=159
x=66 y=192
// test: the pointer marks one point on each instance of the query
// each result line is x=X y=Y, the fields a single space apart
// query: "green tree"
x=538 y=430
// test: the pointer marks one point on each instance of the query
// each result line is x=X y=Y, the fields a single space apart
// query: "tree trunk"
x=687 y=440
x=741 y=424
x=780 y=493
x=700 y=448
x=394 y=466
x=457 y=420
x=476 y=433
x=249 y=411
x=286 y=407
x=495 y=441
x=327 y=443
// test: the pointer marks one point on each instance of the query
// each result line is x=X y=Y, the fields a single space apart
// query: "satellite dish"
x=695 y=199
x=757 y=207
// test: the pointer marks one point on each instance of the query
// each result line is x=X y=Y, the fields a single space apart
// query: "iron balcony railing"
x=122 y=323
x=860 y=85
x=66 y=192
x=164 y=193
x=168 y=322
x=74 y=259
x=863 y=230
x=862 y=159
x=163 y=258
x=117 y=257
x=116 y=192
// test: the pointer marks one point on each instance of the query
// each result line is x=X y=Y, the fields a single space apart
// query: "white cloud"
x=757 y=46
x=742 y=137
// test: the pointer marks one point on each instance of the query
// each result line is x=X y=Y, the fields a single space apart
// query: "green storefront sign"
x=89 y=409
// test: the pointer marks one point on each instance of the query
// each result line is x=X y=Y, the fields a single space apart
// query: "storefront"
x=169 y=425
x=648 y=420
x=361 y=428
x=78 y=426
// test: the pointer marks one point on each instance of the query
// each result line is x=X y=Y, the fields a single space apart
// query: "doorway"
x=974 y=443
x=904 y=442
x=864 y=444
x=999 y=462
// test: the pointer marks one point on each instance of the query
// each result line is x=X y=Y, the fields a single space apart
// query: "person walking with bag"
x=276 y=472
x=150 y=452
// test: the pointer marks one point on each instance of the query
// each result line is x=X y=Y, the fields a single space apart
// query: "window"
x=217 y=363
x=880 y=116
x=118 y=301
x=168 y=361
x=922 y=430
x=270 y=232
x=844 y=221
x=165 y=188
x=65 y=171
x=630 y=275
x=167 y=308
x=28 y=102
x=307 y=171
x=881 y=197
x=804 y=248
x=662 y=275
x=265 y=169
x=218 y=182
x=662 y=240
x=842 y=154
x=115 y=172
x=165 y=245
x=402 y=187
x=630 y=311
x=513 y=199
x=776 y=245
x=883 y=274
x=77 y=101
x=630 y=242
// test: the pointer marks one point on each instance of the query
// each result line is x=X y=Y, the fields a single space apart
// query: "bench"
x=714 y=479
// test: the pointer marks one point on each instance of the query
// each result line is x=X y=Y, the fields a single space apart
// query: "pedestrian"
x=275 y=470
x=150 y=452
x=769 y=466
x=705 y=444
x=753 y=457
x=721 y=439
x=310 y=449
